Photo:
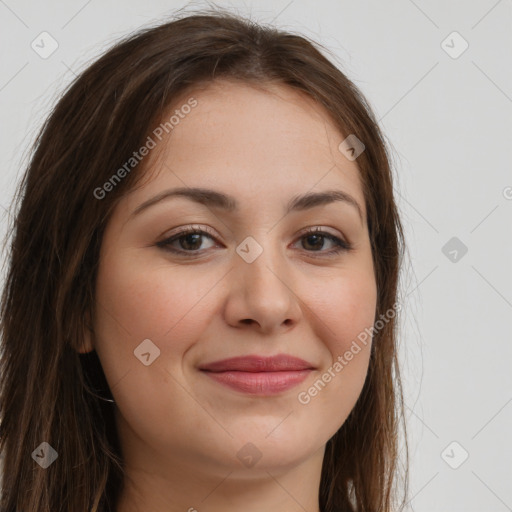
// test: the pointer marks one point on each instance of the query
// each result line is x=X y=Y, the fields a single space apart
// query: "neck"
x=156 y=485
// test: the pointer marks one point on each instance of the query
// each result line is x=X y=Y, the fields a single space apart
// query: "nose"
x=261 y=294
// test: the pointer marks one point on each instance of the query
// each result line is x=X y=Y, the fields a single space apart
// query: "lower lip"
x=260 y=383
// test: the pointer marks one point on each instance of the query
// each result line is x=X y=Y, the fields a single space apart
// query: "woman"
x=200 y=307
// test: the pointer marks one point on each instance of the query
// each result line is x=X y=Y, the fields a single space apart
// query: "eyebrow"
x=214 y=199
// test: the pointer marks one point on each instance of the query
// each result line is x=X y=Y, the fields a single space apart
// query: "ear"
x=86 y=344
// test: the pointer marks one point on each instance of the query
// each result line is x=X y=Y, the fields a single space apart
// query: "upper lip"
x=255 y=363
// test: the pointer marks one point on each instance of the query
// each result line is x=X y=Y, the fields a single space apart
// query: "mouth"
x=259 y=375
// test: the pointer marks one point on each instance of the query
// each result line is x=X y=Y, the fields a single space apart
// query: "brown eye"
x=314 y=241
x=189 y=240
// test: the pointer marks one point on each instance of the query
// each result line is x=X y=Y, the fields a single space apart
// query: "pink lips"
x=259 y=375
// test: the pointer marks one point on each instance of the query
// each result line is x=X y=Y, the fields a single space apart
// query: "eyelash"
x=341 y=245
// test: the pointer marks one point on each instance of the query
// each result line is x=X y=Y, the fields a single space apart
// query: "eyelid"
x=210 y=231
x=341 y=244
x=191 y=228
x=182 y=231
x=340 y=241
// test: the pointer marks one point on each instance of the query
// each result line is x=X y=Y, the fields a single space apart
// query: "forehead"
x=249 y=141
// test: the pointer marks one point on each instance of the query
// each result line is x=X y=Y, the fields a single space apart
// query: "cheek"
x=138 y=302
x=345 y=307
x=332 y=395
x=157 y=302
x=345 y=311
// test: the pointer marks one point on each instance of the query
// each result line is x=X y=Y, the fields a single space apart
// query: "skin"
x=179 y=430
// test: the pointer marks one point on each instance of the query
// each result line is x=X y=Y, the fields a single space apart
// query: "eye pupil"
x=317 y=238
x=190 y=242
x=195 y=236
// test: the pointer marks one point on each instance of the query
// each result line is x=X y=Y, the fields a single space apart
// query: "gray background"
x=448 y=117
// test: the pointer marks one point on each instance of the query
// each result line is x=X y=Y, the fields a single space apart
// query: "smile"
x=259 y=375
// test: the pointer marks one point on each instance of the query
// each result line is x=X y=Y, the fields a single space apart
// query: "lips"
x=259 y=375
x=279 y=363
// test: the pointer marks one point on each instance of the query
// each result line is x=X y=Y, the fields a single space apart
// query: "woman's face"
x=254 y=285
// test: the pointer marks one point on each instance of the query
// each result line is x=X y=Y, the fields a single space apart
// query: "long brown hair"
x=51 y=393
